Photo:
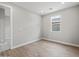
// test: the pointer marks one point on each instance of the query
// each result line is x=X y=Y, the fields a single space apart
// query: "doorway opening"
x=6 y=27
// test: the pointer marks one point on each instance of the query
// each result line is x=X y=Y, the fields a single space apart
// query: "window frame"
x=55 y=21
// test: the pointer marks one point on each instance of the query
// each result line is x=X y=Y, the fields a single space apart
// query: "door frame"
x=11 y=22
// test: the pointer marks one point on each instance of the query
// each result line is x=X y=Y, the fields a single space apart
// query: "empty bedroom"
x=39 y=29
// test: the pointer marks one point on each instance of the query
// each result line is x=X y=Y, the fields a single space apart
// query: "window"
x=56 y=23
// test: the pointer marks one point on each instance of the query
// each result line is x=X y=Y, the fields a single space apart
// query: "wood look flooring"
x=42 y=48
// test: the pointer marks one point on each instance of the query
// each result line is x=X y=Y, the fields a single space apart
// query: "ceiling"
x=44 y=8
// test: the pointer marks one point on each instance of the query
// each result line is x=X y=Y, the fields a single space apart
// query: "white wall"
x=69 y=29
x=26 y=25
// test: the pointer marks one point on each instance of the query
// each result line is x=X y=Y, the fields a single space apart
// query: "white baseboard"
x=65 y=43
x=20 y=45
